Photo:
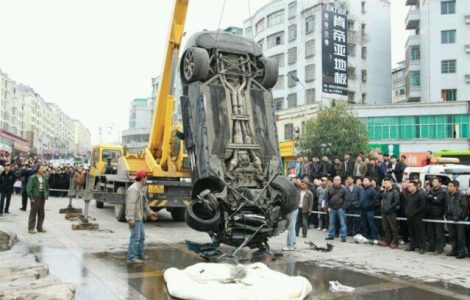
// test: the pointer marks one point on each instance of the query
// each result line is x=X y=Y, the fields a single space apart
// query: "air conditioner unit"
x=467 y=48
x=467 y=19
x=467 y=78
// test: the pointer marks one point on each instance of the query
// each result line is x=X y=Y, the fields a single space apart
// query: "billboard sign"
x=334 y=49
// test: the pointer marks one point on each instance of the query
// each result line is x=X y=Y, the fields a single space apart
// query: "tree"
x=335 y=130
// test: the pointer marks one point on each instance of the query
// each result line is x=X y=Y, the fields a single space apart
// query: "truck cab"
x=100 y=156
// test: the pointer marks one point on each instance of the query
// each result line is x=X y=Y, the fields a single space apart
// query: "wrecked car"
x=238 y=196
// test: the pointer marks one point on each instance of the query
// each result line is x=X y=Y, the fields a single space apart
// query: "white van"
x=445 y=172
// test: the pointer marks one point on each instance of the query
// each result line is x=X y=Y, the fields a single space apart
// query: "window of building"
x=292 y=33
x=248 y=33
x=275 y=39
x=309 y=48
x=363 y=98
x=279 y=58
x=292 y=9
x=310 y=96
x=292 y=55
x=278 y=103
x=291 y=82
x=279 y=83
x=364 y=52
x=309 y=73
x=351 y=25
x=448 y=66
x=415 y=53
x=363 y=7
x=309 y=24
x=289 y=131
x=351 y=73
x=449 y=95
x=261 y=44
x=276 y=18
x=419 y=127
x=292 y=100
x=260 y=26
x=351 y=96
x=415 y=78
x=351 y=49
x=363 y=29
x=448 y=7
x=364 y=75
x=448 y=36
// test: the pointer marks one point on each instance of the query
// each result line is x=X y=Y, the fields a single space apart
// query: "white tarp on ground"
x=207 y=281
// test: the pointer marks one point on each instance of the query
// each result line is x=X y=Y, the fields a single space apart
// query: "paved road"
x=95 y=260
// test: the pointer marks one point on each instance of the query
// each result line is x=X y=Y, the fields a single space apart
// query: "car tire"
x=120 y=209
x=271 y=72
x=290 y=195
x=99 y=204
x=194 y=65
x=196 y=220
x=178 y=214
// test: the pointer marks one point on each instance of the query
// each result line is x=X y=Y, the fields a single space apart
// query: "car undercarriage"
x=238 y=194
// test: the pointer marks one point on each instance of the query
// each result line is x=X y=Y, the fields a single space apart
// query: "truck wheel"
x=271 y=72
x=120 y=209
x=178 y=214
x=194 y=65
x=290 y=195
x=99 y=204
x=199 y=218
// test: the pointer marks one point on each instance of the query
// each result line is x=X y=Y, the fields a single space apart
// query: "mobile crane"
x=164 y=159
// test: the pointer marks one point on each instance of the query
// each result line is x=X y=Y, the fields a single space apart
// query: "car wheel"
x=99 y=204
x=194 y=65
x=290 y=195
x=178 y=214
x=271 y=72
x=199 y=218
x=120 y=209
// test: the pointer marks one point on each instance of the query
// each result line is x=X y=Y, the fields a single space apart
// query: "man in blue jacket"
x=368 y=204
x=351 y=205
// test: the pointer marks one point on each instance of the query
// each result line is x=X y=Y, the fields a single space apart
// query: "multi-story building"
x=291 y=32
x=81 y=138
x=29 y=124
x=438 y=50
x=399 y=83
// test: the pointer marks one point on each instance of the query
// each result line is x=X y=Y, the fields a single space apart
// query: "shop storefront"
x=287 y=151
x=12 y=143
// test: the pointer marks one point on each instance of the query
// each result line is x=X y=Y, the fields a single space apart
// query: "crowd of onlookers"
x=371 y=187
x=16 y=171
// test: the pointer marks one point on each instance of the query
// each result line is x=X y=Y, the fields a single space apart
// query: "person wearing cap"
x=38 y=192
x=136 y=206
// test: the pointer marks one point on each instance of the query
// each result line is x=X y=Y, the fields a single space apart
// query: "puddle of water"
x=107 y=275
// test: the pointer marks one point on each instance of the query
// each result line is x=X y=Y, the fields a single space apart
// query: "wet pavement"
x=107 y=275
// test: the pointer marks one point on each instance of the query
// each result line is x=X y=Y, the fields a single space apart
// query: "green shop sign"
x=391 y=149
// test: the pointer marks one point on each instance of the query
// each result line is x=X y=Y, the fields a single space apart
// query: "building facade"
x=30 y=125
x=438 y=50
x=291 y=32
x=399 y=83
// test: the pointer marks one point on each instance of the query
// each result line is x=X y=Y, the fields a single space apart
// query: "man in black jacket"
x=335 y=198
x=389 y=201
x=347 y=166
x=414 y=212
x=25 y=174
x=7 y=180
x=351 y=205
x=456 y=210
x=435 y=207
x=368 y=204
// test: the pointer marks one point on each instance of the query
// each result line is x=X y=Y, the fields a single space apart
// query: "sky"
x=92 y=57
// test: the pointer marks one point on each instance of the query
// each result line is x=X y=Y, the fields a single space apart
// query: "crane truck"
x=164 y=158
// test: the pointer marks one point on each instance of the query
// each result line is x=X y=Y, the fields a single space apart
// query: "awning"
x=22 y=147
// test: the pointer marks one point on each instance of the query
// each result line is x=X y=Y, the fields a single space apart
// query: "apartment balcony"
x=414 y=93
x=413 y=40
x=412 y=18
x=412 y=2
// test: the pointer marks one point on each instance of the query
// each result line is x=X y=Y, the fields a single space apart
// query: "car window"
x=414 y=176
